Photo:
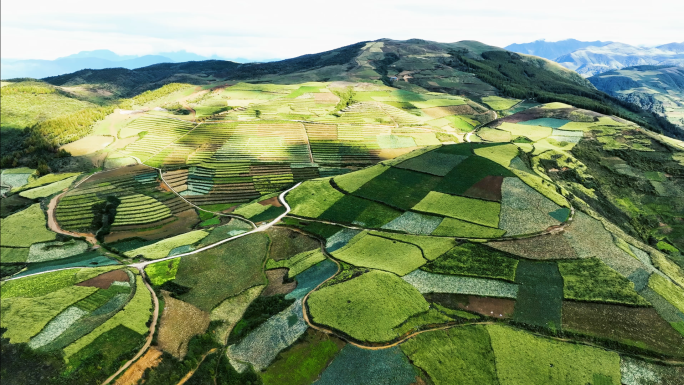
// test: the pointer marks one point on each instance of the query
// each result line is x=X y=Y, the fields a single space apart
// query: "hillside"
x=348 y=231
x=553 y=49
x=595 y=60
x=659 y=89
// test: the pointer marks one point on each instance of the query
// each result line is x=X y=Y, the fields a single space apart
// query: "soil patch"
x=554 y=246
x=630 y=325
x=103 y=281
x=489 y=188
x=487 y=306
x=88 y=145
x=286 y=243
x=440 y=112
x=277 y=284
x=271 y=201
x=134 y=374
x=180 y=322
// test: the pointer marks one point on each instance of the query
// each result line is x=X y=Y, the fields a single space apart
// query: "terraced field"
x=513 y=247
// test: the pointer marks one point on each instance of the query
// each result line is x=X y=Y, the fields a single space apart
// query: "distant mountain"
x=97 y=59
x=552 y=50
x=656 y=89
x=592 y=60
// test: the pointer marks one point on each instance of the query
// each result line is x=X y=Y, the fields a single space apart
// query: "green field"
x=381 y=253
x=475 y=260
x=366 y=308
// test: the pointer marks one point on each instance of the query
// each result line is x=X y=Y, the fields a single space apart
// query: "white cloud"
x=280 y=29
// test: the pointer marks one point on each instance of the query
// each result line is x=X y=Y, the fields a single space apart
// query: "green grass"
x=451 y=227
x=438 y=103
x=533 y=133
x=312 y=198
x=398 y=187
x=13 y=255
x=25 y=228
x=303 y=362
x=478 y=211
x=298 y=263
x=501 y=154
x=161 y=272
x=24 y=317
x=223 y=271
x=469 y=172
x=494 y=135
x=354 y=180
x=460 y=355
x=432 y=162
x=22 y=110
x=379 y=253
x=346 y=209
x=475 y=260
x=162 y=248
x=522 y=358
x=432 y=247
x=376 y=215
x=668 y=290
x=133 y=316
x=45 y=191
x=498 y=103
x=368 y=307
x=592 y=280
x=540 y=294
x=547 y=188
x=462 y=123
x=42 y=284
x=46 y=179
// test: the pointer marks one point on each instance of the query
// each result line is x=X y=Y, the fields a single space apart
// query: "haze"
x=278 y=29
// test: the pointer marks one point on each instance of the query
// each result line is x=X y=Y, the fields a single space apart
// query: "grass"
x=540 y=296
x=368 y=307
x=433 y=162
x=354 y=180
x=304 y=361
x=498 y=103
x=451 y=227
x=312 y=198
x=525 y=210
x=547 y=188
x=469 y=172
x=501 y=154
x=161 y=272
x=478 y=211
x=230 y=311
x=533 y=133
x=432 y=247
x=162 y=248
x=47 y=179
x=470 y=356
x=24 y=317
x=223 y=271
x=398 y=187
x=667 y=290
x=133 y=316
x=298 y=263
x=380 y=253
x=592 y=280
x=522 y=358
x=25 y=228
x=45 y=191
x=376 y=215
x=13 y=255
x=475 y=260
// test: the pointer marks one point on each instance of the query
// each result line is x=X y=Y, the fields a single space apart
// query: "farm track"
x=153 y=327
x=52 y=221
x=190 y=373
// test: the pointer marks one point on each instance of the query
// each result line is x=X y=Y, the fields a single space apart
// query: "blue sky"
x=281 y=29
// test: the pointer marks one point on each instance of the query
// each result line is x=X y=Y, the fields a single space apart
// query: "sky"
x=265 y=29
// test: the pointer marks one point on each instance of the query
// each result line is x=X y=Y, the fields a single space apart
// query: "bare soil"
x=271 y=201
x=180 y=322
x=135 y=372
x=276 y=284
x=103 y=281
x=554 y=246
x=489 y=188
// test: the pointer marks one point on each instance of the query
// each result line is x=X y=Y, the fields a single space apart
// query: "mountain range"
x=97 y=59
x=591 y=58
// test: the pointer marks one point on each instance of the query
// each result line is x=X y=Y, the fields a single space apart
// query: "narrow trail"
x=153 y=327
x=265 y=227
x=52 y=220
x=190 y=373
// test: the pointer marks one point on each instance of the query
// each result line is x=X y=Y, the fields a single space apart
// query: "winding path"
x=153 y=327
